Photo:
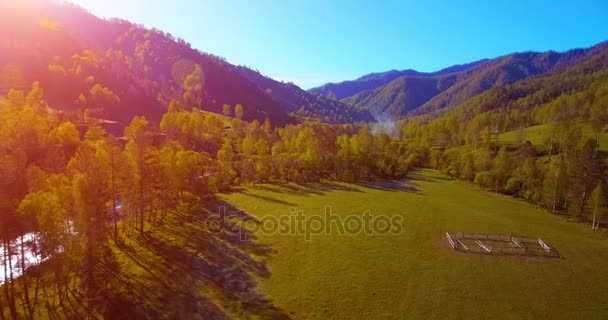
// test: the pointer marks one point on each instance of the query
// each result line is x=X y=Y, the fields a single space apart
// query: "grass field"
x=416 y=275
x=536 y=135
x=180 y=270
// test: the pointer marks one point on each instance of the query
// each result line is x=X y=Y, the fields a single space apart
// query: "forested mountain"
x=398 y=94
x=372 y=81
x=566 y=162
x=401 y=95
x=571 y=92
x=507 y=70
x=115 y=69
x=305 y=104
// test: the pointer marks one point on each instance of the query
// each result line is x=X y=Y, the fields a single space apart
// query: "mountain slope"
x=372 y=81
x=415 y=94
x=571 y=91
x=304 y=104
x=401 y=95
x=505 y=71
x=115 y=69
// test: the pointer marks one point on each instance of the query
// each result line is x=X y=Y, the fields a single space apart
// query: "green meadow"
x=186 y=269
x=538 y=133
x=415 y=274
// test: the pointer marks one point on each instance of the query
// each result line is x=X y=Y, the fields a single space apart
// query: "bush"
x=485 y=179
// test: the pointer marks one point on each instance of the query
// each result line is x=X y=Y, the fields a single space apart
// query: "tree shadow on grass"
x=322 y=188
x=188 y=270
x=269 y=199
x=419 y=177
x=306 y=189
x=391 y=185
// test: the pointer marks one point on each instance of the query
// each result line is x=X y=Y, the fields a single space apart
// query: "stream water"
x=31 y=255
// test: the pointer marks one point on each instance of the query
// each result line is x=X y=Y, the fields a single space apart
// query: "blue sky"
x=311 y=42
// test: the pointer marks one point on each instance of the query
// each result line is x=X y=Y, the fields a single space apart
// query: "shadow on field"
x=391 y=185
x=419 y=177
x=269 y=199
x=305 y=189
x=321 y=188
x=186 y=269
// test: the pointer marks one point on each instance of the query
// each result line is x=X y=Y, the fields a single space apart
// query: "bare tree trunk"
x=24 y=280
x=555 y=190
x=115 y=213
x=581 y=206
x=141 y=192
x=8 y=280
x=1 y=310
x=594 y=215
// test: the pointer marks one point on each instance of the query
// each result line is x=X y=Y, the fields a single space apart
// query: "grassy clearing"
x=536 y=135
x=181 y=271
x=415 y=274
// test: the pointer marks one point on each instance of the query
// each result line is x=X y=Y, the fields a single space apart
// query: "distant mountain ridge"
x=371 y=81
x=397 y=94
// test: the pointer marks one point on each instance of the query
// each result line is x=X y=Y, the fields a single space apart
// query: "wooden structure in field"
x=500 y=244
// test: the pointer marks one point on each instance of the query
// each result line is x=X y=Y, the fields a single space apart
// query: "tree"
x=485 y=179
x=533 y=180
x=47 y=214
x=344 y=159
x=468 y=169
x=501 y=169
x=555 y=183
x=238 y=111
x=35 y=100
x=263 y=166
x=89 y=171
x=598 y=116
x=66 y=134
x=599 y=204
x=193 y=87
x=116 y=168
x=225 y=165
x=138 y=153
x=104 y=97
x=226 y=110
x=585 y=172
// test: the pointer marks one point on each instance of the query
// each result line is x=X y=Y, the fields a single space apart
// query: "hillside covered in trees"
x=114 y=69
x=396 y=94
x=565 y=172
x=372 y=81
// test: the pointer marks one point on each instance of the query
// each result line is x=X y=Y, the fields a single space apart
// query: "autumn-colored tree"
x=89 y=170
x=193 y=88
x=225 y=165
x=238 y=111
x=138 y=154
x=226 y=110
